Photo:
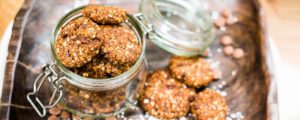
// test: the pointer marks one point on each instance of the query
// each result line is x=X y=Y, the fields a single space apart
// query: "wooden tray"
x=252 y=91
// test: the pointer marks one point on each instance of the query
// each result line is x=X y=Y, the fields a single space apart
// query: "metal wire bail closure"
x=53 y=78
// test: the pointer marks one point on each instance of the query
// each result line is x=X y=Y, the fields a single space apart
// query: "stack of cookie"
x=97 y=45
x=171 y=93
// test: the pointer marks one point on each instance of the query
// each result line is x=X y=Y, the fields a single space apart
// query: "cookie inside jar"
x=99 y=45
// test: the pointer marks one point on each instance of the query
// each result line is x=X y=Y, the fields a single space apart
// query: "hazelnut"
x=226 y=40
x=228 y=50
x=54 y=111
x=65 y=115
x=53 y=117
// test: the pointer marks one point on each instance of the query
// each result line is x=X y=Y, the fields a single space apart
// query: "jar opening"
x=179 y=26
x=98 y=84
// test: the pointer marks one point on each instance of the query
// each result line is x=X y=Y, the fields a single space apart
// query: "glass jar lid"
x=179 y=26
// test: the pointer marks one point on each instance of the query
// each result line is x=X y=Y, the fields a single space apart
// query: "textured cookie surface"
x=209 y=105
x=100 y=68
x=105 y=14
x=77 y=43
x=194 y=71
x=119 y=44
x=164 y=97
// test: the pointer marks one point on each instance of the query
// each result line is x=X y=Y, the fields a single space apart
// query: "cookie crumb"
x=238 y=53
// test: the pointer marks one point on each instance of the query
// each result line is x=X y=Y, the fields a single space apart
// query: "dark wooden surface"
x=247 y=91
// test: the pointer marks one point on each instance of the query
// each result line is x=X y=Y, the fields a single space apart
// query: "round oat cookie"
x=119 y=44
x=75 y=52
x=193 y=71
x=105 y=14
x=164 y=97
x=77 y=43
x=209 y=105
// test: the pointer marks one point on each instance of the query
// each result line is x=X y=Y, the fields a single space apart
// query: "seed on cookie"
x=105 y=14
x=164 y=97
x=209 y=105
x=193 y=71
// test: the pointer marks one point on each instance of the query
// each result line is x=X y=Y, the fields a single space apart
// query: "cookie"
x=193 y=71
x=77 y=43
x=105 y=14
x=101 y=68
x=164 y=97
x=119 y=44
x=209 y=105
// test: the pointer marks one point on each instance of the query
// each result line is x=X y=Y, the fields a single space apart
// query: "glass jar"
x=178 y=27
x=95 y=98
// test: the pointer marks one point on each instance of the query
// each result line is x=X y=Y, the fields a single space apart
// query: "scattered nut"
x=65 y=115
x=54 y=111
x=238 y=53
x=228 y=50
x=226 y=40
x=53 y=117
